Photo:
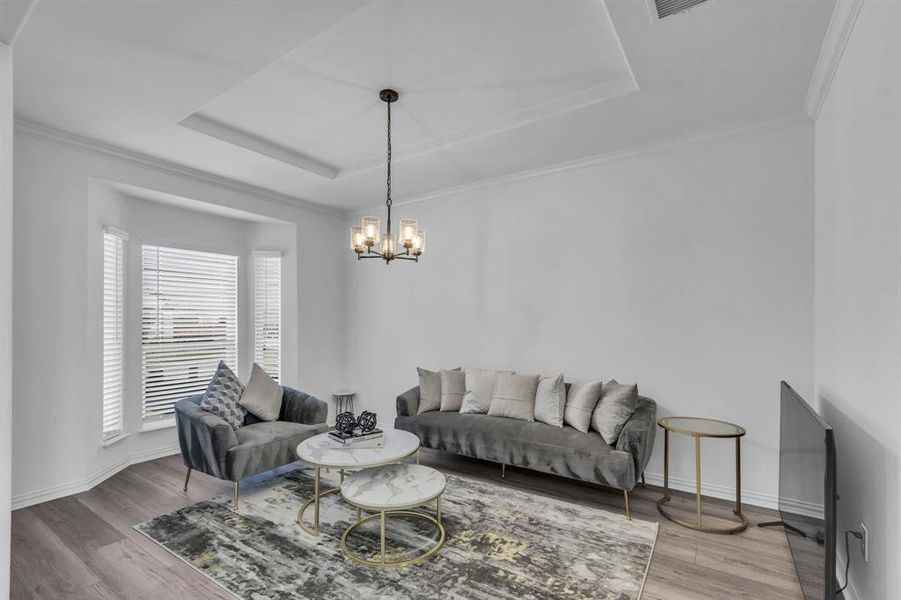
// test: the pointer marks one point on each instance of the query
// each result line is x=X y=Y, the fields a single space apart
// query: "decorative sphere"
x=345 y=422
x=367 y=421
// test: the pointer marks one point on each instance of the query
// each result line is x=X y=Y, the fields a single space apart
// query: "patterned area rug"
x=501 y=544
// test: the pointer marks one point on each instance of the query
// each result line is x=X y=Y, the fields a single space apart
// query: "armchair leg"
x=503 y=470
x=628 y=512
x=642 y=481
x=187 y=478
x=237 y=487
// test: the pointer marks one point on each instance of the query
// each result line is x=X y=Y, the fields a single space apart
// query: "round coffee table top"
x=700 y=427
x=321 y=451
x=393 y=487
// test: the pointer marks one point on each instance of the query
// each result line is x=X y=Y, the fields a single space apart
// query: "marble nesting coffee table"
x=320 y=452
x=393 y=490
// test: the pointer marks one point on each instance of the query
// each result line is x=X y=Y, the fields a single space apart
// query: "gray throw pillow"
x=580 y=404
x=514 y=397
x=550 y=400
x=479 y=390
x=615 y=407
x=222 y=396
x=262 y=395
x=429 y=390
x=453 y=386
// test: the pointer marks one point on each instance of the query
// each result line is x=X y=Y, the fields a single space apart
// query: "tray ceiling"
x=283 y=95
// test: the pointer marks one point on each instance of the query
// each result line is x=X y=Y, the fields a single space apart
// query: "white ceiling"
x=284 y=95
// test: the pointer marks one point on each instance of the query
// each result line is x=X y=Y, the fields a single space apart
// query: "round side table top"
x=393 y=487
x=321 y=451
x=700 y=427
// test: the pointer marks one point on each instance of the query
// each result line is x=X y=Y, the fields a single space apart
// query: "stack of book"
x=358 y=439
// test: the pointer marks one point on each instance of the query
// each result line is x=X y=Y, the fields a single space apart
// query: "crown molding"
x=579 y=163
x=841 y=25
x=64 y=139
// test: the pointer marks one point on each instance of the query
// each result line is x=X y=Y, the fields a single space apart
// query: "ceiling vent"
x=666 y=8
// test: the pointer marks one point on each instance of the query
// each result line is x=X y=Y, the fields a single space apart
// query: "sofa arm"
x=204 y=438
x=408 y=403
x=300 y=407
x=637 y=436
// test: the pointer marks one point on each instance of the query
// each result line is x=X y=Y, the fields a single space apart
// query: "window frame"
x=261 y=255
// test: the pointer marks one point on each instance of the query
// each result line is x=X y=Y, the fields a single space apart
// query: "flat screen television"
x=807 y=494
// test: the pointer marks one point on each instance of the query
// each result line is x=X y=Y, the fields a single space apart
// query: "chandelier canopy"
x=409 y=237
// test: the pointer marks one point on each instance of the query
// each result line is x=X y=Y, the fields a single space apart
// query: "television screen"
x=807 y=494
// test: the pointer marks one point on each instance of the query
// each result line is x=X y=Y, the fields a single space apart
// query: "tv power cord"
x=859 y=536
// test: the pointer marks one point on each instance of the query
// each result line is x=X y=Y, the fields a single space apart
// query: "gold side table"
x=700 y=428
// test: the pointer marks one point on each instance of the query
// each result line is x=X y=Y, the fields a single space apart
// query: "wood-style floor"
x=84 y=547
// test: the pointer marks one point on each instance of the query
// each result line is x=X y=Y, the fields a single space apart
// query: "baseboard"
x=83 y=485
x=850 y=593
x=723 y=492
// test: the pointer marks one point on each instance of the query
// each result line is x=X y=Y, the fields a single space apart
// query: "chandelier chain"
x=388 y=181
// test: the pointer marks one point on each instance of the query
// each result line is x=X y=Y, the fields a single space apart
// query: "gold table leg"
x=666 y=463
x=698 y=476
x=383 y=535
x=317 y=495
x=738 y=476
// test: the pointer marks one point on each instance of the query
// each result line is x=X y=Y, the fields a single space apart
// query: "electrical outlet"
x=864 y=545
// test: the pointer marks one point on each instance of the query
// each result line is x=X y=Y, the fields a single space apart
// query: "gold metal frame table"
x=320 y=452
x=393 y=491
x=699 y=428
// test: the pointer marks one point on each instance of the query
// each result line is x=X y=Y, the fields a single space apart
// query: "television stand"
x=782 y=524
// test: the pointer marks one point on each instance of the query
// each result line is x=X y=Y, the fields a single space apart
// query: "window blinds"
x=113 y=325
x=189 y=323
x=267 y=311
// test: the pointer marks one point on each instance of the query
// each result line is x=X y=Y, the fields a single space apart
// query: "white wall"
x=6 y=280
x=687 y=269
x=858 y=289
x=55 y=300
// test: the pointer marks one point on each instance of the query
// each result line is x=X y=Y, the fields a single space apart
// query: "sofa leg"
x=187 y=478
x=628 y=512
x=235 y=503
x=643 y=484
x=503 y=470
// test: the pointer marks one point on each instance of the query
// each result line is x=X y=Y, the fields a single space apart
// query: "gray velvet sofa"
x=558 y=450
x=209 y=444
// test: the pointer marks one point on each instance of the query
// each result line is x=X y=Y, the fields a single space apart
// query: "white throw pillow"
x=479 y=390
x=550 y=400
x=580 y=403
x=262 y=396
x=514 y=397
x=614 y=409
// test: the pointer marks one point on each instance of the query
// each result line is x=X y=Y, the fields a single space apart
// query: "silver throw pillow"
x=614 y=409
x=262 y=396
x=453 y=386
x=580 y=404
x=514 y=397
x=429 y=390
x=479 y=390
x=550 y=400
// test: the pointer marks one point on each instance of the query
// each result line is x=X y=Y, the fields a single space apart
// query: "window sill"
x=114 y=440
x=157 y=425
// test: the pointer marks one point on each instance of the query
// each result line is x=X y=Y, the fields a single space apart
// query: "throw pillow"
x=550 y=400
x=580 y=404
x=453 y=386
x=615 y=407
x=222 y=396
x=514 y=397
x=262 y=395
x=479 y=390
x=429 y=390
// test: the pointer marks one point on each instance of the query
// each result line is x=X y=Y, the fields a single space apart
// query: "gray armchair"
x=209 y=444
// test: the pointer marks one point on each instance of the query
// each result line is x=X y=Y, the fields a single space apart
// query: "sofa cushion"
x=267 y=445
x=262 y=395
x=479 y=390
x=616 y=405
x=429 y=390
x=453 y=386
x=514 y=397
x=581 y=399
x=222 y=396
x=539 y=446
x=550 y=400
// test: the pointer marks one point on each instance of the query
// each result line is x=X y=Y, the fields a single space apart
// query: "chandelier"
x=366 y=237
